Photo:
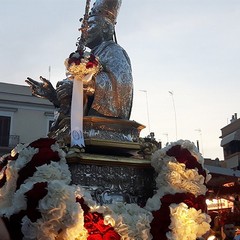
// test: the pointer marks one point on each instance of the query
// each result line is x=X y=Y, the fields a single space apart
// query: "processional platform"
x=110 y=166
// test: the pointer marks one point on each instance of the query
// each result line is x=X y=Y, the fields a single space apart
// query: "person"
x=229 y=230
x=237 y=237
x=113 y=85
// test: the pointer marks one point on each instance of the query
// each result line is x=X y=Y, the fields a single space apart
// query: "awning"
x=230 y=137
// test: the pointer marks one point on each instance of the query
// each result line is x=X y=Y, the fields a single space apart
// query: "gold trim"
x=87 y=158
x=111 y=144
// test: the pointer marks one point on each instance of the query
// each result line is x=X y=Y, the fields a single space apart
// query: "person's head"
x=99 y=30
x=229 y=230
x=101 y=22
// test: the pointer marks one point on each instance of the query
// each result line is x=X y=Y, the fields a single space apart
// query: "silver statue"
x=111 y=90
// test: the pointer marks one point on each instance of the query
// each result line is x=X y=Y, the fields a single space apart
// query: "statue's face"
x=95 y=31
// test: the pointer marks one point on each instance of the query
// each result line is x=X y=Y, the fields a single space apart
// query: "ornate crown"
x=107 y=9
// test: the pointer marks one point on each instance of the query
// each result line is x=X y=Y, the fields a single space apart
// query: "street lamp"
x=200 y=133
x=166 y=134
x=145 y=91
x=49 y=72
x=175 y=114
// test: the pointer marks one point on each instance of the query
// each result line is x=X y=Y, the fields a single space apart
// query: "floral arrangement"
x=81 y=64
x=37 y=200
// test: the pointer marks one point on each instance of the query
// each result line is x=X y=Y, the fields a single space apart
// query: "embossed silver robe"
x=114 y=84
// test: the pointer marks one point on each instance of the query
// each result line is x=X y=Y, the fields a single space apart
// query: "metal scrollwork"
x=109 y=184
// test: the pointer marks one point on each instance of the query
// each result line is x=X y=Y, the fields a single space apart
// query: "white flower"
x=131 y=221
x=173 y=176
x=18 y=149
x=48 y=172
x=187 y=223
x=60 y=214
x=154 y=203
x=12 y=168
x=108 y=219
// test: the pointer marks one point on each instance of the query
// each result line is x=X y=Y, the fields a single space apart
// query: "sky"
x=185 y=56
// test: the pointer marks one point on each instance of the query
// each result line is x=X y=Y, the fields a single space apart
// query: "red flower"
x=75 y=60
x=38 y=192
x=44 y=156
x=43 y=143
x=84 y=206
x=93 y=59
x=184 y=156
x=161 y=218
x=111 y=235
x=160 y=223
x=94 y=223
x=187 y=198
x=89 y=65
x=96 y=236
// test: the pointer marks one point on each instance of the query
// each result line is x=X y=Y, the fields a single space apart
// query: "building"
x=23 y=117
x=231 y=143
x=224 y=187
x=226 y=173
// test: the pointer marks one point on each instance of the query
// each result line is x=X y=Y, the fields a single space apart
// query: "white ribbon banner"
x=77 y=114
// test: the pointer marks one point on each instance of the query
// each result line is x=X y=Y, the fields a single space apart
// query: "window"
x=5 y=123
x=50 y=122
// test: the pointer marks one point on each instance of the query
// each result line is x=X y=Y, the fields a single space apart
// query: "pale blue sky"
x=190 y=47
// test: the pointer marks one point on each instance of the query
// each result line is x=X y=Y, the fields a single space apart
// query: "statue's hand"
x=43 y=89
x=40 y=89
x=64 y=90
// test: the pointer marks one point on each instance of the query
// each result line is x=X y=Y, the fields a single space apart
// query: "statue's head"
x=102 y=20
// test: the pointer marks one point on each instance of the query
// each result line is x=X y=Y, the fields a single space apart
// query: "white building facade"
x=23 y=117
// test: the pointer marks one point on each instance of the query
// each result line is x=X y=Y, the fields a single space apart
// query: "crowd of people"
x=228 y=231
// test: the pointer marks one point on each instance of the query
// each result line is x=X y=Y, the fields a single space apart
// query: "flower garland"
x=38 y=202
x=181 y=184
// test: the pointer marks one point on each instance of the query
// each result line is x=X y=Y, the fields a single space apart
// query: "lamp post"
x=166 y=134
x=145 y=91
x=49 y=73
x=175 y=114
x=200 y=133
